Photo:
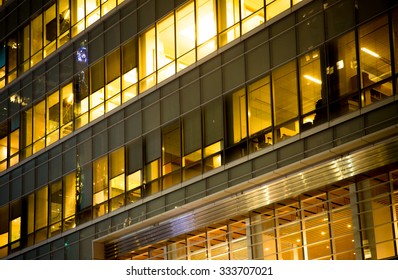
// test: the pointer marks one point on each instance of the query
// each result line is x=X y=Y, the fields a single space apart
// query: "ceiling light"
x=315 y=80
x=372 y=53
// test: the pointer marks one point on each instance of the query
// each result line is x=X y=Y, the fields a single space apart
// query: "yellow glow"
x=217 y=161
x=340 y=64
x=206 y=23
x=16 y=229
x=372 y=53
x=70 y=98
x=212 y=149
x=134 y=180
x=3 y=239
x=131 y=77
x=312 y=79
x=67 y=14
x=3 y=152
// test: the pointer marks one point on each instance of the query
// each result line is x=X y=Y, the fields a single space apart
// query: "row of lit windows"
x=318 y=225
x=244 y=121
x=163 y=50
x=295 y=97
x=46 y=32
x=174 y=44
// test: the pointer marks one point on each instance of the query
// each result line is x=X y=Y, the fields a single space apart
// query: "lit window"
x=206 y=27
x=275 y=7
x=165 y=48
x=185 y=32
x=147 y=59
x=310 y=81
x=252 y=14
x=228 y=21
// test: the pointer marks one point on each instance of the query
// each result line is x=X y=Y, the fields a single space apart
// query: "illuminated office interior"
x=117 y=112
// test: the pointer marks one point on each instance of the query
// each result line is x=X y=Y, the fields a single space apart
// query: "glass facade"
x=164 y=49
x=116 y=116
x=324 y=224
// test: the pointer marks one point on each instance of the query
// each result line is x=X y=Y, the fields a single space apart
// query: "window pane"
x=64 y=16
x=171 y=148
x=275 y=7
x=77 y=11
x=55 y=207
x=252 y=12
x=228 y=16
x=100 y=180
x=147 y=59
x=206 y=23
x=66 y=110
x=185 y=21
x=341 y=70
x=213 y=121
x=285 y=100
x=4 y=221
x=206 y=27
x=165 y=47
x=116 y=163
x=12 y=47
x=3 y=57
x=375 y=61
x=192 y=131
x=129 y=68
x=236 y=117
x=24 y=52
x=50 y=30
x=53 y=117
x=116 y=173
x=69 y=201
x=91 y=5
x=55 y=202
x=97 y=76
x=36 y=34
x=39 y=121
x=41 y=208
x=259 y=98
x=112 y=66
x=310 y=81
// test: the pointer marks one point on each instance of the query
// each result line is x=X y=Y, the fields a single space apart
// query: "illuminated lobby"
x=199 y=129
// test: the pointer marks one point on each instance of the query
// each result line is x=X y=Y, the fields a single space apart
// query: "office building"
x=198 y=129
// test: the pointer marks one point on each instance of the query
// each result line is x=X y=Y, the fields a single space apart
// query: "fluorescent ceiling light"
x=315 y=80
x=372 y=53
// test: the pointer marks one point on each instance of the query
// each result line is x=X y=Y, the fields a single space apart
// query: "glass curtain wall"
x=346 y=222
x=313 y=96
x=47 y=31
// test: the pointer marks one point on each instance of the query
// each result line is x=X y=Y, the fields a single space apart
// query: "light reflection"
x=312 y=79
